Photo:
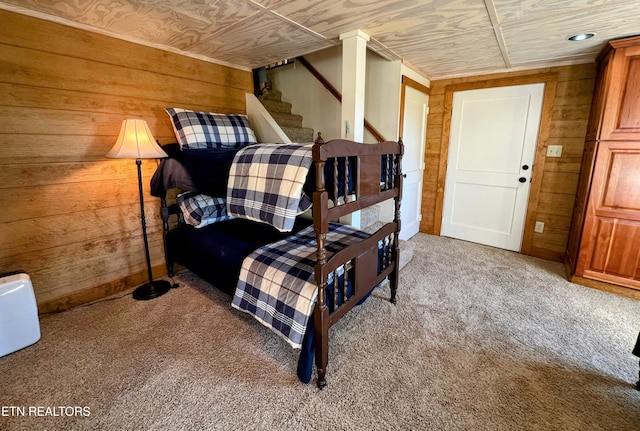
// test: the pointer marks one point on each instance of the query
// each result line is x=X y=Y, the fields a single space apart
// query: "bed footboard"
x=365 y=175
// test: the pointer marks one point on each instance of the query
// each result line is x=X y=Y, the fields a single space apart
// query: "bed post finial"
x=319 y=139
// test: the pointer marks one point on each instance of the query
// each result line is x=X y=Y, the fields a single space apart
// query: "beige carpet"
x=480 y=339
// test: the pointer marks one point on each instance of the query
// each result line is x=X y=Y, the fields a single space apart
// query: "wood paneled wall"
x=568 y=125
x=70 y=217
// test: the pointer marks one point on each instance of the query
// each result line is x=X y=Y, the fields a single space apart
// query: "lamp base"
x=151 y=290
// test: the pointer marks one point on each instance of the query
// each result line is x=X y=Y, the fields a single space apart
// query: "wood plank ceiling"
x=439 y=38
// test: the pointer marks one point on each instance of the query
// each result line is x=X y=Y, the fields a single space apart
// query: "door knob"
x=525 y=167
x=522 y=179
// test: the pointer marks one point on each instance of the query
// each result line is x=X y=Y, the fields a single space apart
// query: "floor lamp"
x=135 y=141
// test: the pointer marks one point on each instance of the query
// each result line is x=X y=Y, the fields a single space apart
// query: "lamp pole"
x=153 y=289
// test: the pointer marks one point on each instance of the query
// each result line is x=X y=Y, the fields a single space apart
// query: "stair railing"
x=337 y=95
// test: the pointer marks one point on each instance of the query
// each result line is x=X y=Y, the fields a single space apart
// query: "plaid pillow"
x=206 y=130
x=201 y=210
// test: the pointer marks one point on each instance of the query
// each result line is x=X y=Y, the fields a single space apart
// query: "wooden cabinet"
x=604 y=242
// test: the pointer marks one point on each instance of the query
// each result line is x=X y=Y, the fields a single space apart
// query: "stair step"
x=299 y=134
x=291 y=124
x=287 y=120
x=369 y=216
x=273 y=95
x=275 y=106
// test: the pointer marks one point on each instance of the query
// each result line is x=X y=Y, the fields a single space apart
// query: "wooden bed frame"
x=363 y=255
x=378 y=178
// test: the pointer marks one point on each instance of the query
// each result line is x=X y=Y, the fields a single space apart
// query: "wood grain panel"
x=17 y=95
x=563 y=165
x=95 y=268
x=73 y=222
x=550 y=202
x=624 y=241
x=52 y=71
x=552 y=242
x=36 y=148
x=400 y=18
x=622 y=103
x=570 y=112
x=622 y=190
x=41 y=201
x=34 y=174
x=567 y=121
x=22 y=236
x=629 y=109
x=564 y=183
x=574 y=92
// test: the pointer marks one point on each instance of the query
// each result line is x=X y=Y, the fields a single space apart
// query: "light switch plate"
x=539 y=227
x=554 y=151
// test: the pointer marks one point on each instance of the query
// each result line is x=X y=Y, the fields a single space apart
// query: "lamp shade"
x=135 y=141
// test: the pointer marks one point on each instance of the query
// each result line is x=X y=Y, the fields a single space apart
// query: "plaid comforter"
x=266 y=183
x=277 y=283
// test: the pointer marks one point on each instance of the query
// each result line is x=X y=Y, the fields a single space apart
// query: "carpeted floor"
x=481 y=339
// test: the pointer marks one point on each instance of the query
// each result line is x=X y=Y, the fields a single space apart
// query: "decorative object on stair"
x=260 y=82
x=135 y=141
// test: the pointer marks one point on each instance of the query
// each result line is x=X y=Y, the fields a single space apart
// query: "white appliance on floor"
x=19 y=324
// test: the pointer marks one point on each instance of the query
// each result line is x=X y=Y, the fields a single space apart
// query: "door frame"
x=408 y=82
x=551 y=81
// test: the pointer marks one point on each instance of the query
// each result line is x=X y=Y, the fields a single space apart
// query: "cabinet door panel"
x=616 y=251
x=622 y=190
x=630 y=108
x=621 y=117
x=610 y=249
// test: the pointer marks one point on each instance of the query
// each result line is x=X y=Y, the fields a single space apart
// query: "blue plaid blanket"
x=277 y=284
x=266 y=183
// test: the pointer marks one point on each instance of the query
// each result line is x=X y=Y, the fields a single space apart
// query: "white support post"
x=354 y=61
x=354 y=66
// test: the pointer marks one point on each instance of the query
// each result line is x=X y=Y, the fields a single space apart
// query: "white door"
x=492 y=145
x=414 y=131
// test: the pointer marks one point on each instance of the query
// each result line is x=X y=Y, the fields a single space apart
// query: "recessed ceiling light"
x=581 y=36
